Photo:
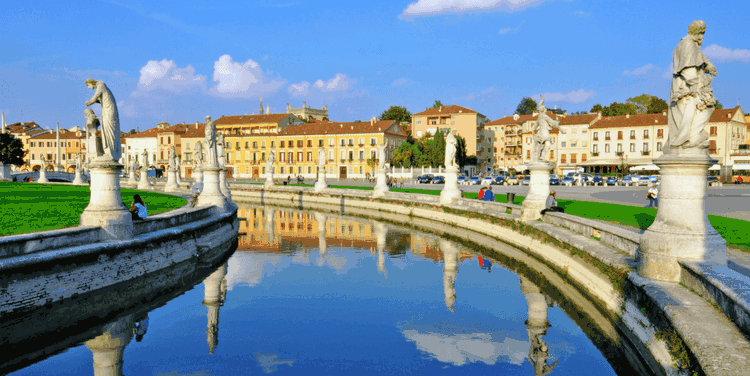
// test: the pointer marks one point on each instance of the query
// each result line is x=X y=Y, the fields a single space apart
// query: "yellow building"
x=71 y=142
x=627 y=140
x=25 y=131
x=468 y=124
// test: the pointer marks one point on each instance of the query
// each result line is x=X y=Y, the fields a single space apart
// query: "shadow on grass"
x=644 y=220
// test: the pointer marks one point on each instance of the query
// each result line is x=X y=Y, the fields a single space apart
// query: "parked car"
x=627 y=179
x=438 y=180
x=653 y=179
x=612 y=180
x=712 y=178
x=554 y=180
x=526 y=180
x=597 y=179
x=487 y=180
x=498 y=180
x=425 y=179
x=587 y=178
x=462 y=179
x=512 y=180
x=474 y=180
x=568 y=179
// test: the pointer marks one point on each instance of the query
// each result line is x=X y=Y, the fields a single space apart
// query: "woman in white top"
x=138 y=208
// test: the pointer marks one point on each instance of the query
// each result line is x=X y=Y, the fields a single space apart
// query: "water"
x=365 y=298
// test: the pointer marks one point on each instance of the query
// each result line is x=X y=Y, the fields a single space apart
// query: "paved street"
x=731 y=200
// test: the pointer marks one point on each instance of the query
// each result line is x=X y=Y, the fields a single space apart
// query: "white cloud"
x=426 y=8
x=581 y=13
x=340 y=82
x=641 y=71
x=166 y=76
x=580 y=96
x=723 y=54
x=511 y=30
x=400 y=81
x=242 y=79
x=460 y=349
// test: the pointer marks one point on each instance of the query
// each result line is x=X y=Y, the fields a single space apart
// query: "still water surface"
x=350 y=297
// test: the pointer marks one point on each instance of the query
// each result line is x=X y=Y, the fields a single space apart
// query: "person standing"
x=653 y=197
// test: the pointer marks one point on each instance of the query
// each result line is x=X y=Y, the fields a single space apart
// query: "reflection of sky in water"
x=297 y=312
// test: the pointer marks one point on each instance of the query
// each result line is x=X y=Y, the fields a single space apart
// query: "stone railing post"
x=538 y=191
x=106 y=208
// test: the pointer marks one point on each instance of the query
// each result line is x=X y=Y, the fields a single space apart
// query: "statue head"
x=89 y=114
x=696 y=29
x=91 y=83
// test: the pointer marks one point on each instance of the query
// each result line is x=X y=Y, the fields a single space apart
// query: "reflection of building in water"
x=282 y=230
x=450 y=271
x=427 y=246
x=215 y=294
x=537 y=326
x=108 y=347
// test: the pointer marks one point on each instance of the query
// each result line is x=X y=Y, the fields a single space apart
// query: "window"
x=343 y=142
x=596 y=136
x=247 y=144
x=282 y=144
x=419 y=122
x=299 y=157
x=645 y=133
x=606 y=136
x=247 y=156
x=573 y=158
x=309 y=169
x=343 y=154
x=712 y=147
x=351 y=142
x=331 y=142
x=299 y=144
x=361 y=141
x=619 y=135
x=291 y=157
x=528 y=153
x=562 y=144
x=320 y=143
x=361 y=154
x=273 y=144
x=33 y=156
x=281 y=156
x=263 y=156
x=619 y=148
x=551 y=154
x=63 y=157
x=573 y=144
x=632 y=134
x=632 y=147
x=645 y=146
x=606 y=148
x=255 y=144
x=658 y=146
x=596 y=148
x=419 y=133
x=309 y=156
x=563 y=158
x=238 y=145
x=331 y=154
x=713 y=131
x=255 y=157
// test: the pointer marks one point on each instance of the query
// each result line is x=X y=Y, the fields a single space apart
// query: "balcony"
x=632 y=137
x=596 y=138
x=607 y=138
x=741 y=152
x=595 y=153
x=619 y=154
x=646 y=152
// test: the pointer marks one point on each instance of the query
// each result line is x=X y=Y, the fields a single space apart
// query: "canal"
x=318 y=293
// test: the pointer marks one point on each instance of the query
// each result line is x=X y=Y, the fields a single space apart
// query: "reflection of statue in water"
x=141 y=327
x=542 y=140
x=450 y=271
x=691 y=98
x=110 y=119
x=450 y=150
x=536 y=326
x=215 y=294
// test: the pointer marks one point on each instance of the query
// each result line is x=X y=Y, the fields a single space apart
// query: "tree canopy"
x=11 y=150
x=429 y=151
x=648 y=104
x=615 y=109
x=527 y=106
x=435 y=105
x=397 y=113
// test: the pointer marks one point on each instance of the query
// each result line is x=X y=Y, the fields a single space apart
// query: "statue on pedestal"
x=145 y=160
x=450 y=150
x=270 y=161
x=198 y=149
x=172 y=158
x=381 y=155
x=542 y=140
x=322 y=160
x=79 y=163
x=220 y=150
x=691 y=98
x=93 y=140
x=110 y=119
x=210 y=136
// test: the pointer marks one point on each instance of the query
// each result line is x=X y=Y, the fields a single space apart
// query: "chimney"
x=440 y=109
x=372 y=121
x=341 y=125
x=627 y=116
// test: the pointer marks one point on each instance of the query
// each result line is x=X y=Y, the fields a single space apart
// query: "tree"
x=618 y=109
x=526 y=107
x=407 y=155
x=438 y=149
x=435 y=105
x=597 y=108
x=657 y=106
x=718 y=105
x=11 y=150
x=397 y=113
x=460 y=151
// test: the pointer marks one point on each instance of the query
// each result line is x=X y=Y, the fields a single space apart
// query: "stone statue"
x=172 y=158
x=198 y=153
x=450 y=150
x=144 y=162
x=222 y=155
x=691 y=99
x=110 y=119
x=270 y=161
x=381 y=155
x=41 y=158
x=210 y=143
x=322 y=159
x=79 y=163
x=93 y=140
x=542 y=140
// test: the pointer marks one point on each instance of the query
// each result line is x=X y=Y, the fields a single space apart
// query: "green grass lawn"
x=26 y=207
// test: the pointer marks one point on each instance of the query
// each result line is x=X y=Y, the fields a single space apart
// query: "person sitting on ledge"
x=138 y=208
x=551 y=204
x=195 y=199
x=488 y=195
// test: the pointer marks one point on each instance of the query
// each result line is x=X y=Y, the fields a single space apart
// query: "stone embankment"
x=697 y=326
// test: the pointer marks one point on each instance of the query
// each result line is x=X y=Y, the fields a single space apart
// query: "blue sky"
x=180 y=61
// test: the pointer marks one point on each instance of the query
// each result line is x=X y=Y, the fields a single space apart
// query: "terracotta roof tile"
x=723 y=115
x=145 y=134
x=578 y=119
x=638 y=120
x=250 y=119
x=508 y=120
x=446 y=110
x=336 y=127
x=195 y=131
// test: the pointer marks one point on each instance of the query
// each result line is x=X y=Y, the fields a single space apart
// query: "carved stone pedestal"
x=144 y=183
x=42 y=176
x=132 y=181
x=681 y=229
x=77 y=180
x=171 y=185
x=198 y=177
x=211 y=193
x=538 y=191
x=223 y=184
x=450 y=192
x=381 y=187
x=269 y=181
x=105 y=207
x=321 y=184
